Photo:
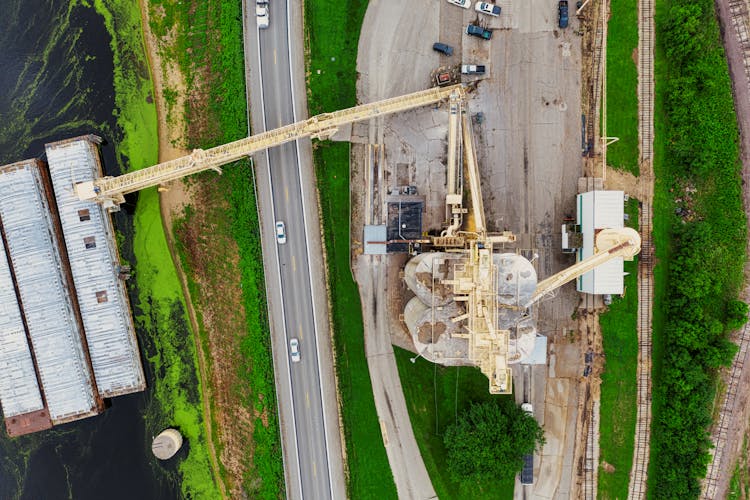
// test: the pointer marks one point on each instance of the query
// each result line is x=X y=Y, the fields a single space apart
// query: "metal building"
x=29 y=232
x=95 y=267
x=599 y=210
x=20 y=397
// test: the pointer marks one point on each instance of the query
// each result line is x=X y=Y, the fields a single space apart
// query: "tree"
x=488 y=441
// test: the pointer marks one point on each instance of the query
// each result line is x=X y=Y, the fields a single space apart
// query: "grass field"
x=622 y=80
x=435 y=395
x=332 y=34
x=619 y=389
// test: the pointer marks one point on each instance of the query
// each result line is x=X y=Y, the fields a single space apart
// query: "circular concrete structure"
x=423 y=273
x=166 y=444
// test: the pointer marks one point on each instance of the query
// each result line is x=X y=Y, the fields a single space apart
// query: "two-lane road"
x=306 y=425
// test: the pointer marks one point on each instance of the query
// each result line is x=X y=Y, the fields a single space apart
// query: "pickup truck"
x=562 y=13
x=475 y=30
x=472 y=69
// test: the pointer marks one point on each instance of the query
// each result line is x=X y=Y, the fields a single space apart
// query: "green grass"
x=175 y=394
x=435 y=395
x=332 y=33
x=176 y=387
x=622 y=81
x=739 y=484
x=619 y=388
x=208 y=48
x=369 y=472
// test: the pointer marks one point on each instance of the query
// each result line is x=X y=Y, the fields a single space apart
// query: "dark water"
x=56 y=82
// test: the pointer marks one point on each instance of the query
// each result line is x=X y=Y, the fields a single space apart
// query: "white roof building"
x=94 y=263
x=54 y=331
x=19 y=390
x=599 y=210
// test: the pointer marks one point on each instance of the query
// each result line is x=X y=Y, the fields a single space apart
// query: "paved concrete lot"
x=527 y=125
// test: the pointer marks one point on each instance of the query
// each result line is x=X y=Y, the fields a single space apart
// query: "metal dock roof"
x=19 y=390
x=94 y=261
x=55 y=334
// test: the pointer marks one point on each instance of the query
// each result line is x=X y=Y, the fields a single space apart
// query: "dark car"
x=475 y=30
x=562 y=7
x=443 y=48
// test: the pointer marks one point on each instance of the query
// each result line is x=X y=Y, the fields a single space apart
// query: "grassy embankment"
x=167 y=343
x=435 y=395
x=622 y=81
x=332 y=34
x=224 y=234
x=701 y=252
x=739 y=485
x=619 y=389
x=619 y=326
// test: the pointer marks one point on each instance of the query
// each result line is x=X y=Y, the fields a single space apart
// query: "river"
x=57 y=82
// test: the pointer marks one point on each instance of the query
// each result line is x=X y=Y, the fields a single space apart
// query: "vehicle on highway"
x=280 y=232
x=461 y=3
x=472 y=69
x=261 y=14
x=487 y=8
x=475 y=30
x=294 y=350
x=443 y=48
x=562 y=13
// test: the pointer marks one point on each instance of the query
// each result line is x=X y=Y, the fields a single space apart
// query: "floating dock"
x=67 y=338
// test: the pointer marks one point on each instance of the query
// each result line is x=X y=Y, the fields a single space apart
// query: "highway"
x=310 y=430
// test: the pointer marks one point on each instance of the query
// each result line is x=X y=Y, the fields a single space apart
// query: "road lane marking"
x=294 y=264
x=307 y=398
x=301 y=336
x=286 y=193
x=274 y=57
x=315 y=469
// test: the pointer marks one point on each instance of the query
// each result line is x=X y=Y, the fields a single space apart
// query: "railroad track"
x=719 y=434
x=591 y=457
x=639 y=470
x=740 y=21
x=646 y=39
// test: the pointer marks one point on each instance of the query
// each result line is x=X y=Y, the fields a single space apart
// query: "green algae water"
x=64 y=75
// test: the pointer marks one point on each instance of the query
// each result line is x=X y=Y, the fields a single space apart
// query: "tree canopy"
x=489 y=440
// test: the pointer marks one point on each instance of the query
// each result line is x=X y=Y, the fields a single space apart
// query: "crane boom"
x=111 y=190
x=623 y=242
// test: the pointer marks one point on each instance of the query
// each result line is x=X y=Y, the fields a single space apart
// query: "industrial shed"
x=599 y=210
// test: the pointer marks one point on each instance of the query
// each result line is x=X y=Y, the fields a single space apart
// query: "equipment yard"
x=527 y=126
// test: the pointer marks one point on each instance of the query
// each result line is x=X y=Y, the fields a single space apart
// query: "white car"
x=487 y=8
x=280 y=232
x=261 y=14
x=294 y=350
x=461 y=3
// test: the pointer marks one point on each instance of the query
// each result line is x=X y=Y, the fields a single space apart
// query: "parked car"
x=280 y=232
x=443 y=48
x=472 y=69
x=294 y=350
x=562 y=8
x=475 y=30
x=487 y=8
x=461 y=3
x=261 y=14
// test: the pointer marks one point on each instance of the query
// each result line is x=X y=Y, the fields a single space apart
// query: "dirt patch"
x=607 y=467
x=215 y=309
x=634 y=56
